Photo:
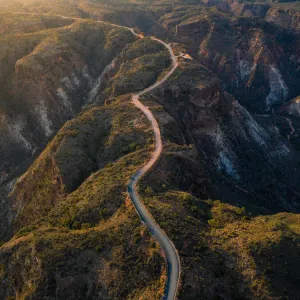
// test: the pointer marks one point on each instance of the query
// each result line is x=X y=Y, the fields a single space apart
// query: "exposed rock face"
x=244 y=9
x=285 y=18
x=292 y=108
x=46 y=80
x=245 y=159
x=258 y=63
x=278 y=88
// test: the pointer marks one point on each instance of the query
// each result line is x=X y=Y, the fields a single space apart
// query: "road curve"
x=166 y=244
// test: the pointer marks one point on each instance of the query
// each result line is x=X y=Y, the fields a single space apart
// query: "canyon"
x=226 y=187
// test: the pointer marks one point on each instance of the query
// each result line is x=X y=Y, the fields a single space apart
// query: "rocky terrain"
x=89 y=160
x=226 y=189
x=46 y=77
x=215 y=149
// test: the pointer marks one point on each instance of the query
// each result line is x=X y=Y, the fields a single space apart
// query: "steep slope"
x=46 y=75
x=71 y=203
x=88 y=263
x=286 y=16
x=69 y=173
x=68 y=217
x=253 y=47
x=238 y=158
x=257 y=61
x=87 y=212
x=225 y=252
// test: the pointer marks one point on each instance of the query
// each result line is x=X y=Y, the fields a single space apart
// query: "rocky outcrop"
x=286 y=18
x=292 y=108
x=256 y=62
x=246 y=159
x=239 y=9
x=46 y=80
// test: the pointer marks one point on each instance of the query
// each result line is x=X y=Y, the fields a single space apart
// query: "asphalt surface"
x=166 y=244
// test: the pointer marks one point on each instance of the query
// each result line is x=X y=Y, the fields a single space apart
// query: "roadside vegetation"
x=76 y=216
x=137 y=67
x=73 y=232
x=72 y=218
x=223 y=248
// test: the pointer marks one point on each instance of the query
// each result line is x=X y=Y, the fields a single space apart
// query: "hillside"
x=46 y=74
x=225 y=189
x=74 y=220
x=72 y=201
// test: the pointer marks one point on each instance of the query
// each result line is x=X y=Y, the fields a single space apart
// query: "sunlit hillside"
x=149 y=148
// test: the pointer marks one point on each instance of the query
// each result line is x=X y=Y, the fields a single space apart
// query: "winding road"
x=166 y=244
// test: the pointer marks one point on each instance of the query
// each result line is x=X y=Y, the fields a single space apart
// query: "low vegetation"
x=223 y=249
x=137 y=67
x=71 y=232
x=75 y=232
x=75 y=217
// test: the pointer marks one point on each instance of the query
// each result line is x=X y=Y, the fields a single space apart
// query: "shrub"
x=99 y=248
x=103 y=213
x=86 y=225
x=25 y=230
x=76 y=225
x=149 y=190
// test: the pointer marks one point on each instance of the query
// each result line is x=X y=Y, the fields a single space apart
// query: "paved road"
x=166 y=244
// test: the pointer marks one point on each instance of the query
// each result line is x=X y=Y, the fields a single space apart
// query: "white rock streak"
x=15 y=131
x=64 y=97
x=225 y=164
x=278 y=88
x=93 y=93
x=244 y=69
x=44 y=120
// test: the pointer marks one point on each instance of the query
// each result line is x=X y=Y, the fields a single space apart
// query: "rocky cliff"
x=69 y=225
x=243 y=157
x=46 y=77
x=229 y=118
x=285 y=18
x=256 y=60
